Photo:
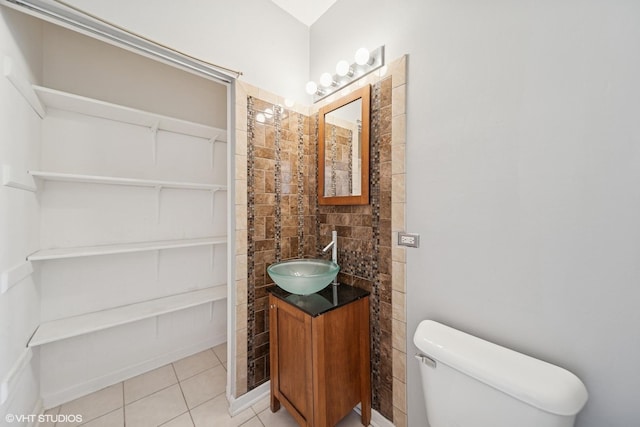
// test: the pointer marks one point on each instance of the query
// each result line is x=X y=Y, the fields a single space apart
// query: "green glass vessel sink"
x=303 y=276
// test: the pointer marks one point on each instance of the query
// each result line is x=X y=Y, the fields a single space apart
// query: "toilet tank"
x=470 y=382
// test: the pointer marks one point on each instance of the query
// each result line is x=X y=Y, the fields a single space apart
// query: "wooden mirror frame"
x=364 y=94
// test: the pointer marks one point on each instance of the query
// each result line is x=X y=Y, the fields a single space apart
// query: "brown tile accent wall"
x=364 y=245
x=284 y=220
x=280 y=214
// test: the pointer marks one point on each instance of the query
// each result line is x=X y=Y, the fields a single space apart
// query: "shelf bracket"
x=157 y=251
x=213 y=199
x=213 y=141
x=154 y=141
x=15 y=275
x=156 y=320
x=158 y=191
x=213 y=203
x=18 y=179
x=22 y=85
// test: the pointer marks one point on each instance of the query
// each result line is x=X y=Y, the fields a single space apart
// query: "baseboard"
x=377 y=420
x=38 y=409
x=54 y=399
x=239 y=404
x=8 y=384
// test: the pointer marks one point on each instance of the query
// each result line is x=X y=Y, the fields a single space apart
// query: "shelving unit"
x=92 y=107
x=61 y=329
x=130 y=214
x=56 y=330
x=123 y=248
x=112 y=180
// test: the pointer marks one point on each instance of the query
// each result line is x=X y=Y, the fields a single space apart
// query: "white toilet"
x=469 y=382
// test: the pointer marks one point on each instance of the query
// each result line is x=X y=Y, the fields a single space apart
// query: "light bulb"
x=260 y=118
x=268 y=113
x=311 y=87
x=362 y=56
x=326 y=79
x=342 y=68
x=289 y=102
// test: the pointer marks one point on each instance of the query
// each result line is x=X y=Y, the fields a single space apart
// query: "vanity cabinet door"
x=320 y=366
x=341 y=363
x=291 y=362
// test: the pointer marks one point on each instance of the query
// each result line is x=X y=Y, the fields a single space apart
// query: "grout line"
x=186 y=404
x=180 y=386
x=103 y=415
x=124 y=401
x=199 y=372
x=124 y=408
x=250 y=419
x=207 y=401
x=177 y=416
x=181 y=391
x=153 y=392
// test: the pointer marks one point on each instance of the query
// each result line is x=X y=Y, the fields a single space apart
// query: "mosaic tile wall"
x=281 y=214
x=364 y=245
x=285 y=221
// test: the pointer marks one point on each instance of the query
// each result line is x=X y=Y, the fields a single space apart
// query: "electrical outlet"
x=409 y=240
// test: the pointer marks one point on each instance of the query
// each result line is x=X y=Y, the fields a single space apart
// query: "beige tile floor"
x=186 y=393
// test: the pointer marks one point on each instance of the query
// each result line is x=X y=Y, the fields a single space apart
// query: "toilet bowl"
x=470 y=382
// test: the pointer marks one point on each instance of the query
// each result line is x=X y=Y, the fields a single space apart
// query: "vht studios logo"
x=43 y=418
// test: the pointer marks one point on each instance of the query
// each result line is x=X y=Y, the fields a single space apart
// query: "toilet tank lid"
x=535 y=382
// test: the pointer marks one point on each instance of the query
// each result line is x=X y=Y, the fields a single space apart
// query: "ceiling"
x=305 y=11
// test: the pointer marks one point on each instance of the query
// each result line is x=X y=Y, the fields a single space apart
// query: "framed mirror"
x=343 y=150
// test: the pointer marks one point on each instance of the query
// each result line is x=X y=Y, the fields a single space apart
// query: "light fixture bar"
x=355 y=72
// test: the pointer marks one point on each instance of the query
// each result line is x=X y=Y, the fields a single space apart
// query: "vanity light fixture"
x=343 y=68
x=365 y=62
x=311 y=87
x=362 y=56
x=326 y=80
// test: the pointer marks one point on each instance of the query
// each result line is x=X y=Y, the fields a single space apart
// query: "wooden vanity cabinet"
x=320 y=365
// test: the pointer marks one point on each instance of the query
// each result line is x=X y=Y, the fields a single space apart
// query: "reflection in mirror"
x=343 y=157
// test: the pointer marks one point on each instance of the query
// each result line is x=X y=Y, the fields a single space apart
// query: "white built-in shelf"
x=49 y=254
x=94 y=179
x=69 y=327
x=93 y=107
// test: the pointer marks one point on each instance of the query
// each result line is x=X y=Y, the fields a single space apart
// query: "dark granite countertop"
x=327 y=299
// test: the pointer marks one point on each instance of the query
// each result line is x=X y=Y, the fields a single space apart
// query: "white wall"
x=269 y=46
x=522 y=177
x=85 y=66
x=20 y=39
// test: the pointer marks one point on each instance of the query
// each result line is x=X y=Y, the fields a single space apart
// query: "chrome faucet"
x=334 y=251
